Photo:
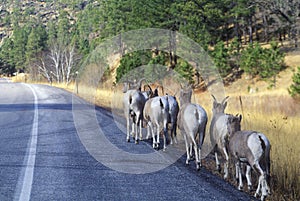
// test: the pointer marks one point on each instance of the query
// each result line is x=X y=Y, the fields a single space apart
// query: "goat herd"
x=249 y=147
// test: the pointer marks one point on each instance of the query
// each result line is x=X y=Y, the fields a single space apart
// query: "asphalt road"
x=42 y=157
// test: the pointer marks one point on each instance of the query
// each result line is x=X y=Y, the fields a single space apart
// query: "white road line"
x=29 y=168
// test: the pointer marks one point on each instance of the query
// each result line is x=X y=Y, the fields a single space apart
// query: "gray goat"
x=172 y=118
x=219 y=132
x=133 y=102
x=192 y=120
x=156 y=113
x=252 y=148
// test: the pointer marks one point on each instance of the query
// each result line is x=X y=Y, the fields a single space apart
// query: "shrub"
x=294 y=89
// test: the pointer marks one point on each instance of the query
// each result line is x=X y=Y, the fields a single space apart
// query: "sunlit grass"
x=278 y=118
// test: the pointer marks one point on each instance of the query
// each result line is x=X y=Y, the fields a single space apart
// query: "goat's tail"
x=130 y=99
x=266 y=148
x=262 y=143
x=202 y=126
x=164 y=105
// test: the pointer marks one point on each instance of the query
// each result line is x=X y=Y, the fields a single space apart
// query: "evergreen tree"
x=51 y=32
x=185 y=70
x=250 y=59
x=63 y=29
x=221 y=58
x=271 y=63
x=6 y=57
x=19 y=49
x=294 y=89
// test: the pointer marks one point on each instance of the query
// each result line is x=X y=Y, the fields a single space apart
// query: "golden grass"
x=278 y=117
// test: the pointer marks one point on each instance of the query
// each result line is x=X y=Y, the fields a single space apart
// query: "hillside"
x=41 y=11
x=246 y=85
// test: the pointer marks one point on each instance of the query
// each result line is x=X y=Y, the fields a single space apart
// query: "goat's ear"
x=240 y=117
x=225 y=100
x=215 y=100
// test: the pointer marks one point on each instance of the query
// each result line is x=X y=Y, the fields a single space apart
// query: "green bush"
x=294 y=89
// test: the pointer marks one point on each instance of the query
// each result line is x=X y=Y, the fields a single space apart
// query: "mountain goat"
x=156 y=113
x=192 y=120
x=252 y=148
x=219 y=132
x=133 y=104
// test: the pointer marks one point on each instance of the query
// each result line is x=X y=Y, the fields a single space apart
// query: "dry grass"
x=278 y=118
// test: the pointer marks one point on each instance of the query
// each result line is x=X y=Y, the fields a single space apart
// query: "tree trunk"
x=266 y=27
x=250 y=29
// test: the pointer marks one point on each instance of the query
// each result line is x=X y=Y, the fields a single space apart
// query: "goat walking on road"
x=253 y=148
x=133 y=103
x=172 y=118
x=192 y=120
x=156 y=112
x=219 y=133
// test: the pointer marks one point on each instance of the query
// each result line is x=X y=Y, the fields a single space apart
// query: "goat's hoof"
x=218 y=168
x=250 y=188
x=128 y=140
x=240 y=188
x=256 y=195
x=136 y=142
x=198 y=165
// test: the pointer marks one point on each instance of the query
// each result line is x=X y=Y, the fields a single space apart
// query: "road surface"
x=43 y=158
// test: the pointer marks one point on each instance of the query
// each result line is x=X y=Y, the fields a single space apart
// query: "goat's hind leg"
x=218 y=166
x=187 y=147
x=226 y=163
x=197 y=158
x=127 y=129
x=153 y=135
x=173 y=133
x=248 y=177
x=262 y=183
x=239 y=172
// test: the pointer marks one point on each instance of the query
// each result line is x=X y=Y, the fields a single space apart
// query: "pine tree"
x=250 y=59
x=271 y=62
x=221 y=57
x=20 y=40
x=6 y=57
x=294 y=89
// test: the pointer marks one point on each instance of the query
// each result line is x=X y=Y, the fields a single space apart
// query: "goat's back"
x=219 y=130
x=253 y=145
x=191 y=117
x=156 y=109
